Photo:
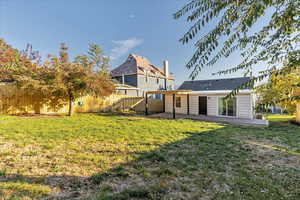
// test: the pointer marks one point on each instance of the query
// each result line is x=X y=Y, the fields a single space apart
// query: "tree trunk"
x=298 y=113
x=70 y=105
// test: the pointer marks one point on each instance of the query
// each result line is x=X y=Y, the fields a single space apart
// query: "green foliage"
x=2 y=172
x=272 y=45
x=278 y=90
x=95 y=58
x=78 y=78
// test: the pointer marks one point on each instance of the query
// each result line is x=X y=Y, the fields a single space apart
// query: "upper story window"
x=178 y=102
x=157 y=80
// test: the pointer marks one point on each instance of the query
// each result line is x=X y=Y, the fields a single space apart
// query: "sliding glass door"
x=227 y=107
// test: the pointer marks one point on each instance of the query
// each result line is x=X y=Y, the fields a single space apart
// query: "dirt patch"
x=268 y=154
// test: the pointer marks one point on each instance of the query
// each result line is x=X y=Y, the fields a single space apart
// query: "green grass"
x=99 y=157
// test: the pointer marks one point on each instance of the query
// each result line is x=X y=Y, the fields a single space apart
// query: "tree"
x=78 y=78
x=57 y=80
x=95 y=58
x=33 y=56
x=10 y=58
x=232 y=23
x=278 y=90
x=22 y=69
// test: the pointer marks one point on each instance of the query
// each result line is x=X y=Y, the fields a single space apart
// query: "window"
x=227 y=107
x=157 y=81
x=178 y=102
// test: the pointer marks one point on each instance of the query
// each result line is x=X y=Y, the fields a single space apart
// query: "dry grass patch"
x=98 y=157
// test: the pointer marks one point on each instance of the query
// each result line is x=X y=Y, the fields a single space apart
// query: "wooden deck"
x=228 y=120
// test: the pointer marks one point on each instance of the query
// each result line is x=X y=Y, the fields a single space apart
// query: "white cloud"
x=123 y=47
x=132 y=16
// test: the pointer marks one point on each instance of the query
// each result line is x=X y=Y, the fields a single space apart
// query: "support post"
x=174 y=115
x=146 y=104
x=188 y=104
x=164 y=103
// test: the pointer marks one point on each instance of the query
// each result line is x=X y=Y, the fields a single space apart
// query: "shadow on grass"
x=210 y=165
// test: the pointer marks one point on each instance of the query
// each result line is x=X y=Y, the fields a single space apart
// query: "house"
x=138 y=72
x=207 y=97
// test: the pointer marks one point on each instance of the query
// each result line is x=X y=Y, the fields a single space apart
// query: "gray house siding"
x=129 y=80
x=153 y=83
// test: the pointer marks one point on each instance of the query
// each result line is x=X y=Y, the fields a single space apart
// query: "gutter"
x=220 y=92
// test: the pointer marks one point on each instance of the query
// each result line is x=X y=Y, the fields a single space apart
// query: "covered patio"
x=169 y=92
x=174 y=115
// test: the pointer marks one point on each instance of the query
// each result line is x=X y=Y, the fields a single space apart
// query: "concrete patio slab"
x=229 y=120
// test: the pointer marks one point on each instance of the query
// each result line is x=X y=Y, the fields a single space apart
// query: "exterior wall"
x=170 y=84
x=212 y=105
x=244 y=105
x=140 y=82
x=153 y=83
x=194 y=105
x=129 y=79
x=183 y=108
x=168 y=103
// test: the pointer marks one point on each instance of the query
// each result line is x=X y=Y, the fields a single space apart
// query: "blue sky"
x=143 y=27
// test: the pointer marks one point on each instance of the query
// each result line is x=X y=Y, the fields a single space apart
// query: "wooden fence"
x=15 y=101
x=113 y=103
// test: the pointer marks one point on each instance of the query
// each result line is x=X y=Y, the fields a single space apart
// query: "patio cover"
x=172 y=92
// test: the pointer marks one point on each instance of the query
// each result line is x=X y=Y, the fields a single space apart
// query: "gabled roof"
x=215 y=84
x=139 y=65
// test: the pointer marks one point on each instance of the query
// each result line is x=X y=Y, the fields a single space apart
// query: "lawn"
x=97 y=157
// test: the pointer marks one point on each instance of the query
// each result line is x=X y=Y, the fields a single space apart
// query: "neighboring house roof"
x=215 y=84
x=139 y=65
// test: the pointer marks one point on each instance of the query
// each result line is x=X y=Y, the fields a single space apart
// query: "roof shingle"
x=139 y=65
x=215 y=84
